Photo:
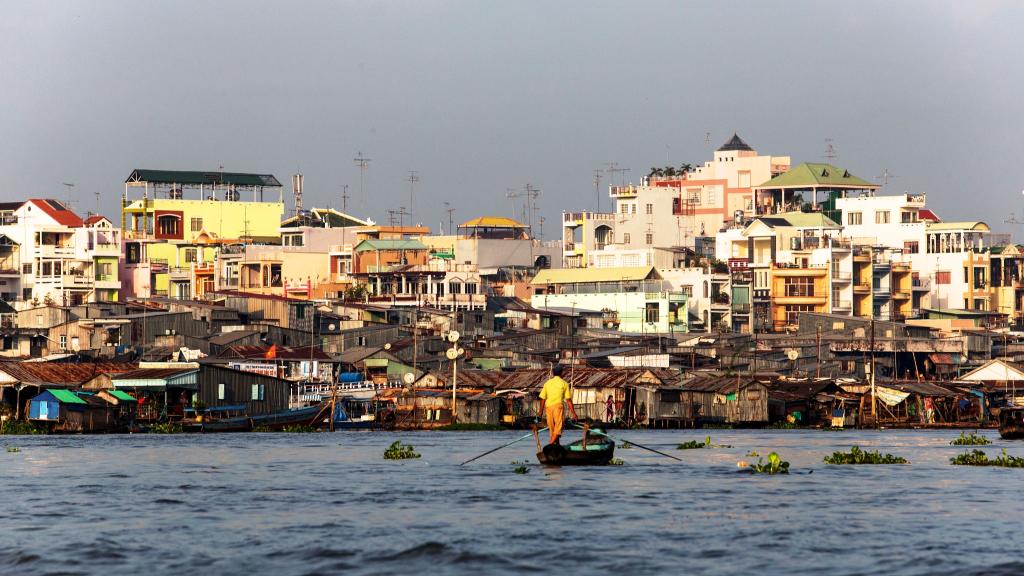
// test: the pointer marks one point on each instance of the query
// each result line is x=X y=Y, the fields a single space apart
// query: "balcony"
x=622 y=191
x=841 y=305
x=577 y=218
x=841 y=277
x=76 y=281
x=921 y=284
x=180 y=273
x=7 y=272
x=740 y=308
x=106 y=282
x=51 y=251
x=862 y=288
x=720 y=300
x=900 y=295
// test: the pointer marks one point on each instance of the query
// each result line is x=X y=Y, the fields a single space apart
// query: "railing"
x=75 y=281
x=9 y=272
x=841 y=305
x=740 y=308
x=841 y=276
x=51 y=251
x=616 y=191
x=796 y=291
x=921 y=283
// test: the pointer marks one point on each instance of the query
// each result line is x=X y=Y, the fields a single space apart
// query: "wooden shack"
x=727 y=399
x=260 y=393
x=64 y=411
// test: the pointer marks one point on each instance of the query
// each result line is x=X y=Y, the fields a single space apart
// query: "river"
x=328 y=503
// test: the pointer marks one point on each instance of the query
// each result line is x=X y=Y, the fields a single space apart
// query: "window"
x=26 y=268
x=881 y=216
x=300 y=312
x=625 y=238
x=63 y=342
x=293 y=240
x=221 y=391
x=197 y=224
x=651 y=312
x=649 y=238
x=793 y=312
x=258 y=391
x=854 y=219
x=650 y=208
x=911 y=247
x=799 y=287
x=190 y=255
x=942 y=277
x=633 y=208
x=624 y=208
x=470 y=287
x=105 y=269
x=167 y=226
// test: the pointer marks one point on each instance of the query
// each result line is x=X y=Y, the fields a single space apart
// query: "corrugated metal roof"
x=580 y=377
x=580 y=275
x=817 y=175
x=257 y=352
x=62 y=373
x=492 y=222
x=66 y=396
x=390 y=244
x=202 y=178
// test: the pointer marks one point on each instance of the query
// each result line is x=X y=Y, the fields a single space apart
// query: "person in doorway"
x=609 y=409
x=553 y=397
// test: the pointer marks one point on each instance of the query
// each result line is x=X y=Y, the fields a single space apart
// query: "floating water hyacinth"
x=858 y=456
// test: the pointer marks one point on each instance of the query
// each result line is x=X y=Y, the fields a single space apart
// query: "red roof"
x=927 y=215
x=94 y=219
x=58 y=211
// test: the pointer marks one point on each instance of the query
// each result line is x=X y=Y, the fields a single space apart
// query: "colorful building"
x=173 y=233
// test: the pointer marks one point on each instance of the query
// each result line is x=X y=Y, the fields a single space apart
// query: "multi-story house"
x=173 y=233
x=671 y=210
x=634 y=300
x=49 y=255
x=949 y=261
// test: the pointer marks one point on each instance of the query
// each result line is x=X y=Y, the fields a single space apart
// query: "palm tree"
x=686 y=168
x=669 y=170
x=655 y=171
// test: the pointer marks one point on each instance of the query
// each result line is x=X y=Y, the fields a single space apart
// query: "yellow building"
x=173 y=233
x=797 y=289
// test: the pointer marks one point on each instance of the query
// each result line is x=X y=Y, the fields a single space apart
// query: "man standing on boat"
x=552 y=395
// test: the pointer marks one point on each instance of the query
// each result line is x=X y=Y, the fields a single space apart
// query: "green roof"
x=202 y=178
x=65 y=396
x=123 y=396
x=814 y=175
x=390 y=244
x=581 y=275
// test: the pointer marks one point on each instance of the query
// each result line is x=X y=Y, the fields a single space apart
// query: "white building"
x=49 y=255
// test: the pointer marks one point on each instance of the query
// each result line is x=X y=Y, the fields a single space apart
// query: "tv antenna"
x=1013 y=219
x=344 y=198
x=71 y=191
x=412 y=180
x=707 y=137
x=885 y=176
x=597 y=188
x=364 y=164
x=830 y=150
x=529 y=194
x=450 y=210
x=613 y=168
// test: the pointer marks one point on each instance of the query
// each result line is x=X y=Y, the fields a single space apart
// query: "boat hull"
x=273 y=421
x=596 y=453
x=1011 y=423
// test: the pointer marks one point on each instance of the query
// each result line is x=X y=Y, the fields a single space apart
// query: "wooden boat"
x=1011 y=423
x=309 y=416
x=596 y=450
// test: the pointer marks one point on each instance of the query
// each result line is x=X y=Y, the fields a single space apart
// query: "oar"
x=631 y=442
x=502 y=446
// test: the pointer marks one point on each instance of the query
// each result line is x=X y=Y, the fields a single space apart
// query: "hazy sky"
x=480 y=97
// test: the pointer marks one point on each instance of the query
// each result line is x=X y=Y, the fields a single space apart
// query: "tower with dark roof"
x=735 y=144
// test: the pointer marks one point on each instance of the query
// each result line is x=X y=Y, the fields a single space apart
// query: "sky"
x=481 y=98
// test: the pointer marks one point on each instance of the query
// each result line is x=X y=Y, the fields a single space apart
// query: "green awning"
x=122 y=396
x=376 y=362
x=65 y=396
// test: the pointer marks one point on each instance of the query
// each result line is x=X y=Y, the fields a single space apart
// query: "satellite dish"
x=408 y=377
x=387 y=346
x=792 y=354
x=332 y=327
x=451 y=353
x=453 y=336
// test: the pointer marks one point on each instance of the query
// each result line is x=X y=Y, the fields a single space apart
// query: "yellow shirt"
x=555 y=390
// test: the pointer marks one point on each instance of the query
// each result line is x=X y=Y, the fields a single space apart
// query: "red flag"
x=271 y=352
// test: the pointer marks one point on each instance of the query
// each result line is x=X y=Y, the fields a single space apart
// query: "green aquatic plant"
x=521 y=469
x=970 y=440
x=19 y=428
x=625 y=445
x=693 y=444
x=752 y=454
x=298 y=429
x=262 y=429
x=785 y=426
x=979 y=458
x=858 y=456
x=615 y=462
x=398 y=451
x=13 y=449
x=165 y=428
x=774 y=465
